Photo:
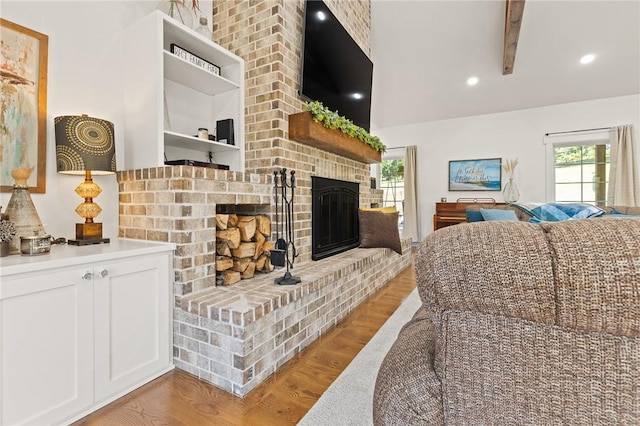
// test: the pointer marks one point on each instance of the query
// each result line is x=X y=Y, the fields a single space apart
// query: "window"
x=392 y=185
x=579 y=169
x=581 y=172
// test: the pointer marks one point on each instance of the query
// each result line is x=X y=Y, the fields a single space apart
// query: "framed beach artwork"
x=23 y=104
x=475 y=175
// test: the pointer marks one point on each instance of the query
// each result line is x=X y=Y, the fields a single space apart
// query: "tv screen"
x=335 y=71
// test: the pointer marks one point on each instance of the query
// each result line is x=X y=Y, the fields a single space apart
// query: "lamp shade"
x=83 y=144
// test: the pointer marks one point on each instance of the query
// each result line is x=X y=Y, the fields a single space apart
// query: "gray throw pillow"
x=379 y=230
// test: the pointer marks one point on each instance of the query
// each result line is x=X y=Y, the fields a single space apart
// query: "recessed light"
x=472 y=81
x=321 y=16
x=357 y=95
x=587 y=59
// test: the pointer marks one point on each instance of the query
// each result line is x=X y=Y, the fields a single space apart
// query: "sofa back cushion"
x=502 y=268
x=508 y=371
x=597 y=268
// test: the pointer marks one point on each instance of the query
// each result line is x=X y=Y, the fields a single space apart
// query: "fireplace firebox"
x=334 y=216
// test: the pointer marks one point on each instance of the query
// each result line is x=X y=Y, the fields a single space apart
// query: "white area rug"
x=349 y=399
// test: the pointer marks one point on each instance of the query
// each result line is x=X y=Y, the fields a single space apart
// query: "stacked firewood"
x=242 y=248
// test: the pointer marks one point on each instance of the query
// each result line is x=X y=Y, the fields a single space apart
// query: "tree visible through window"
x=392 y=185
x=581 y=173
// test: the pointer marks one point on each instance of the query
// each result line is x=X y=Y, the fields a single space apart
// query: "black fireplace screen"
x=334 y=216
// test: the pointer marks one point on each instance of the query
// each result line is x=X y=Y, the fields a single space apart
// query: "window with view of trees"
x=392 y=185
x=581 y=173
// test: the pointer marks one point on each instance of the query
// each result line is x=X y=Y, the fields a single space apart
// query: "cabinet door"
x=46 y=355
x=132 y=322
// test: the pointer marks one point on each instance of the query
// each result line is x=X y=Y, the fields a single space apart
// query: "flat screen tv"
x=335 y=70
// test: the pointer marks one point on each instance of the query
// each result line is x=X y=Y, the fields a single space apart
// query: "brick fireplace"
x=268 y=36
x=235 y=337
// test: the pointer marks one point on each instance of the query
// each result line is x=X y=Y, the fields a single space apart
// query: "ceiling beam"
x=512 y=22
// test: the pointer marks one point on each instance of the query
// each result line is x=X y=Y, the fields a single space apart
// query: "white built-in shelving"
x=167 y=99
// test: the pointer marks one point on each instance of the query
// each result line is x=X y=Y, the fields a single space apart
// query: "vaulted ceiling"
x=424 y=51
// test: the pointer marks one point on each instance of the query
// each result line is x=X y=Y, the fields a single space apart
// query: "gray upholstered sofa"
x=521 y=324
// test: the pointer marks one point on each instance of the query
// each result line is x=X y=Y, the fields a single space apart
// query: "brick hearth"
x=235 y=337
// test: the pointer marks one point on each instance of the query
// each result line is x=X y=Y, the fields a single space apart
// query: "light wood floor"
x=178 y=398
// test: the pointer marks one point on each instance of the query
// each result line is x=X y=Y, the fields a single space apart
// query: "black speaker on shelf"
x=224 y=131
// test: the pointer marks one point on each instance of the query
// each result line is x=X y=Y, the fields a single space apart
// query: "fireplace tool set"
x=284 y=253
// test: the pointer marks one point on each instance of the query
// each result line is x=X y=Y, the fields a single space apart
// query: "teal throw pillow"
x=474 y=215
x=498 y=214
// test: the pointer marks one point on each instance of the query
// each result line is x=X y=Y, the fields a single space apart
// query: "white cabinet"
x=82 y=326
x=131 y=322
x=167 y=98
x=47 y=351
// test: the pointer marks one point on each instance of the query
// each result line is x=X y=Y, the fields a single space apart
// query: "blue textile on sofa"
x=474 y=215
x=556 y=212
x=616 y=213
x=498 y=214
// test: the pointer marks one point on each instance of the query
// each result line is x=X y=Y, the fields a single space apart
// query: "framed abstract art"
x=23 y=104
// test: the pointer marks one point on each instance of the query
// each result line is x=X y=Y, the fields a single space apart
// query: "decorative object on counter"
x=21 y=210
x=194 y=59
x=85 y=145
x=7 y=231
x=284 y=253
x=510 y=192
x=36 y=244
x=178 y=11
x=24 y=104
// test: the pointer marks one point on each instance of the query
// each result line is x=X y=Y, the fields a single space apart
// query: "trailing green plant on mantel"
x=333 y=120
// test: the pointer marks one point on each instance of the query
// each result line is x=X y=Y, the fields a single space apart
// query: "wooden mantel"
x=303 y=129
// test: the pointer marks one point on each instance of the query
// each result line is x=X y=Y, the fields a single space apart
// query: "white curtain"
x=624 y=189
x=411 y=227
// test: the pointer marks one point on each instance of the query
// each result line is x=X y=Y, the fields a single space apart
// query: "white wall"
x=505 y=135
x=85 y=76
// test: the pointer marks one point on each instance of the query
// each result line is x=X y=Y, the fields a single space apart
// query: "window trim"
x=552 y=141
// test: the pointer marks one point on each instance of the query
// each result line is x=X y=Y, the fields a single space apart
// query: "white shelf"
x=188 y=39
x=179 y=140
x=182 y=72
x=164 y=91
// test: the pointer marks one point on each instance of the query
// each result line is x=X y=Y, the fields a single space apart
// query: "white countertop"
x=62 y=255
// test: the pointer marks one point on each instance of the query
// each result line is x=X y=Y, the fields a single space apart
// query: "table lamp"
x=84 y=146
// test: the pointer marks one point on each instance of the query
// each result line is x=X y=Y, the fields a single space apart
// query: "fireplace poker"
x=288 y=257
